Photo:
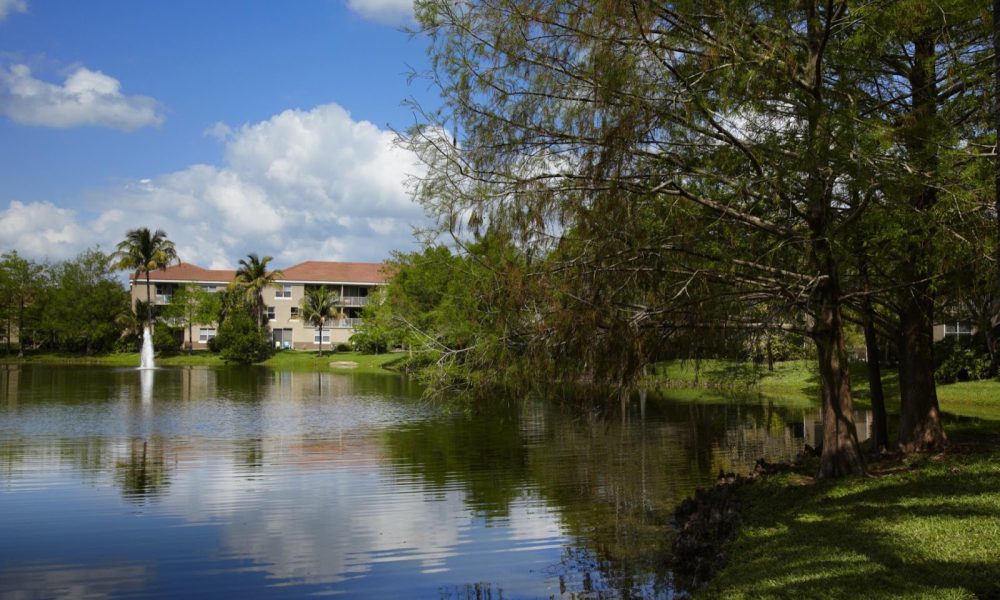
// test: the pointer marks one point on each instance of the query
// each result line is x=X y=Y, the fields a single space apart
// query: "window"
x=270 y=313
x=957 y=328
x=205 y=334
x=164 y=292
x=295 y=312
x=284 y=292
x=209 y=287
x=282 y=338
x=326 y=337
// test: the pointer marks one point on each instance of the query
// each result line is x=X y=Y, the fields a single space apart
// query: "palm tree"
x=251 y=279
x=318 y=305
x=145 y=252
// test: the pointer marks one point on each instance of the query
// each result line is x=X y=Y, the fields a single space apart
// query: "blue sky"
x=236 y=126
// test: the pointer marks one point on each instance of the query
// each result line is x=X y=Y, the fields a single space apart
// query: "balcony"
x=338 y=324
x=162 y=298
x=346 y=323
x=353 y=301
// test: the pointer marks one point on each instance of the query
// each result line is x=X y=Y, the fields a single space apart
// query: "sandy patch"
x=344 y=364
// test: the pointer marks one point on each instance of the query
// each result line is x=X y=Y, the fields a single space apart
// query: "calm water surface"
x=197 y=482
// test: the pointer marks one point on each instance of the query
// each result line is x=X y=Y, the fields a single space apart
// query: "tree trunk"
x=991 y=344
x=20 y=329
x=770 y=355
x=880 y=430
x=920 y=428
x=321 y=339
x=990 y=338
x=841 y=453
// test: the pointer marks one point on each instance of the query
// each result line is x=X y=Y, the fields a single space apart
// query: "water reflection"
x=146 y=379
x=72 y=581
x=143 y=473
x=249 y=479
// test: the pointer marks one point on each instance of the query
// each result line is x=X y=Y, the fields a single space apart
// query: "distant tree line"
x=78 y=305
x=82 y=306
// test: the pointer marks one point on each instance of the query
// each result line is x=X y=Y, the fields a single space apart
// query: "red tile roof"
x=312 y=271
x=335 y=272
x=187 y=272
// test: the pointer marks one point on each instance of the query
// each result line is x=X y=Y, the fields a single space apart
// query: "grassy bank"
x=927 y=527
x=919 y=527
x=287 y=360
x=795 y=383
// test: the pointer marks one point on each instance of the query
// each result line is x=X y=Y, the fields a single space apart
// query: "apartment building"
x=353 y=283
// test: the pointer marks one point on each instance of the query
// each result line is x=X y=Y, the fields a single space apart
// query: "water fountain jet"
x=146 y=357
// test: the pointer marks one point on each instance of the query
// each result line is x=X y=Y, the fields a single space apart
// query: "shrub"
x=960 y=359
x=166 y=339
x=343 y=347
x=368 y=343
x=241 y=341
x=784 y=346
x=126 y=344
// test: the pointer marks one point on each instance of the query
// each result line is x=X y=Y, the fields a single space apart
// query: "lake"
x=247 y=482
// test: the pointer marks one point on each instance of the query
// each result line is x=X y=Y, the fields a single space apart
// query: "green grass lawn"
x=796 y=383
x=925 y=528
x=920 y=527
x=286 y=360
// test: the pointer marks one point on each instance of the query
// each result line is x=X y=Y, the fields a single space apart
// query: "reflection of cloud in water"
x=532 y=519
x=325 y=525
x=71 y=581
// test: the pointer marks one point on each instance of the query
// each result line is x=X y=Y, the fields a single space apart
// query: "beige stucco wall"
x=302 y=332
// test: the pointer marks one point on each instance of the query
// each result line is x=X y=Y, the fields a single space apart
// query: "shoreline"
x=923 y=526
x=286 y=360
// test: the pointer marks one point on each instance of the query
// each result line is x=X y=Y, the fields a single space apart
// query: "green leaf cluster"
x=240 y=340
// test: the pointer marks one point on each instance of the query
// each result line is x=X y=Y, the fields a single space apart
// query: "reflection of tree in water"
x=11 y=456
x=143 y=474
x=248 y=454
x=591 y=467
x=473 y=591
x=615 y=474
x=89 y=456
x=582 y=574
x=732 y=433
x=606 y=471
x=243 y=383
x=481 y=450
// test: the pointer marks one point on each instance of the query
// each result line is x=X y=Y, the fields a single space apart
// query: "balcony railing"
x=354 y=301
x=162 y=298
x=338 y=324
x=346 y=323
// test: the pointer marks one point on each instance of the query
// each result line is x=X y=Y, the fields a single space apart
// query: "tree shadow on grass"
x=932 y=532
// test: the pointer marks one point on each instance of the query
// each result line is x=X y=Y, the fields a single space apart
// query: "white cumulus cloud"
x=85 y=98
x=302 y=185
x=9 y=7
x=387 y=12
x=43 y=230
